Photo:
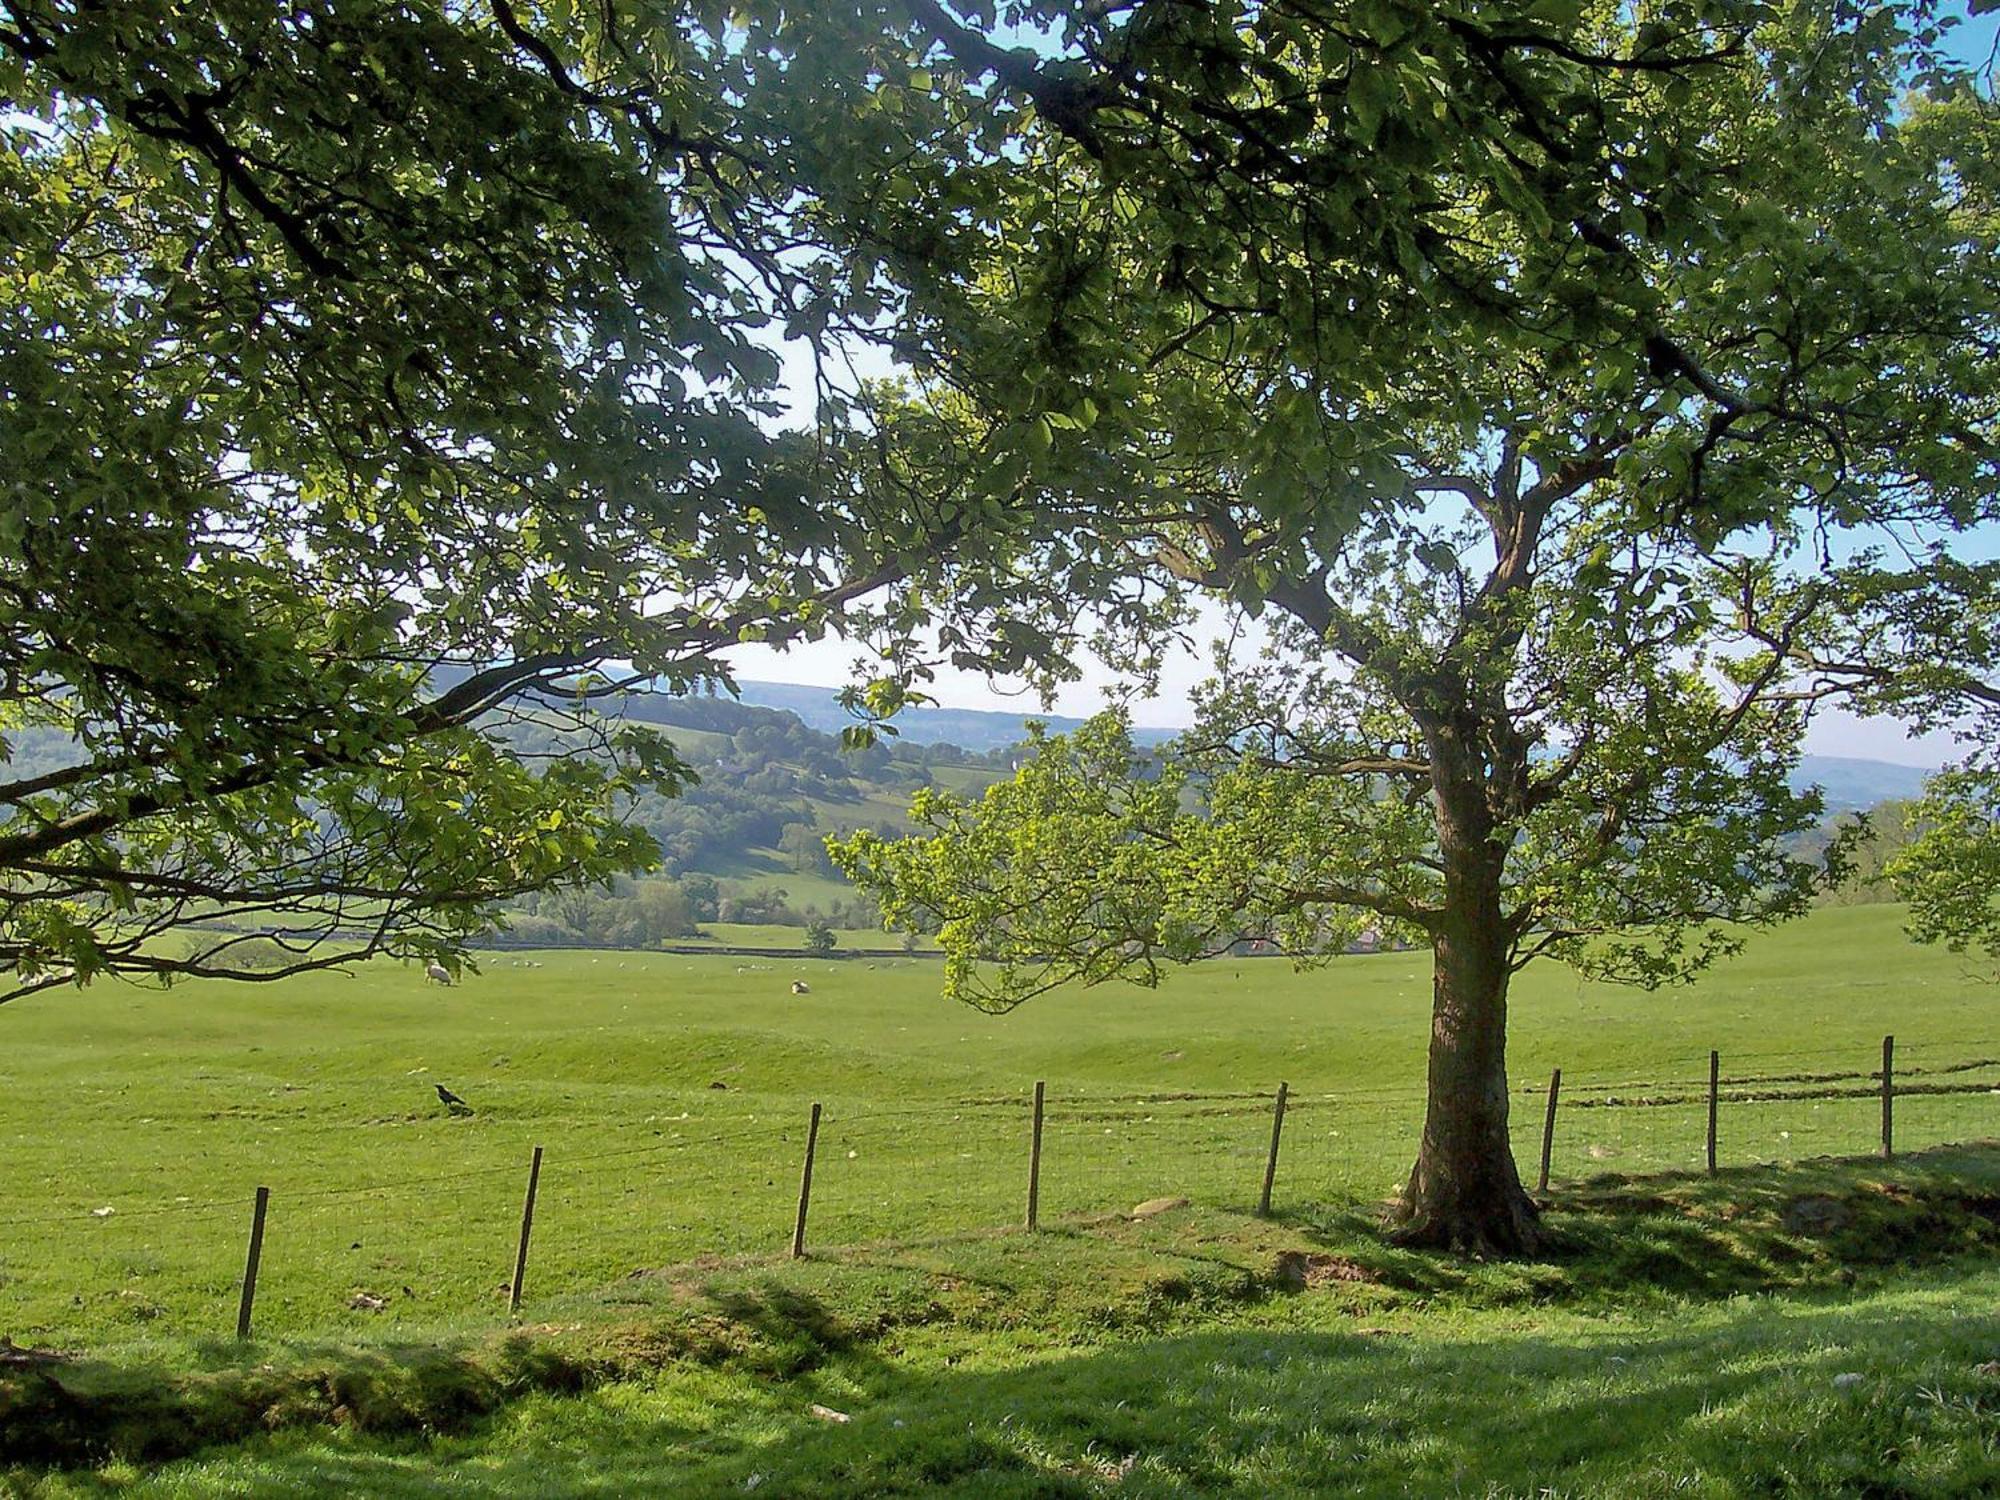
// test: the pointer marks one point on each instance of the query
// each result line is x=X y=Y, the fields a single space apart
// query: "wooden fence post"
x=1271 y=1163
x=1888 y=1097
x=1714 y=1102
x=527 y=1227
x=251 y=1262
x=805 y=1188
x=1035 y=1159
x=1549 y=1130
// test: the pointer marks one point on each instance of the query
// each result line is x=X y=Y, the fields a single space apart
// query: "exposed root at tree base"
x=1493 y=1232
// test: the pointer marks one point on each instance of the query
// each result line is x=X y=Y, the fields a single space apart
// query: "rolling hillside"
x=745 y=841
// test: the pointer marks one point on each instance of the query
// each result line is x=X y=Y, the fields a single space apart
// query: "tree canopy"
x=374 y=369
x=367 y=367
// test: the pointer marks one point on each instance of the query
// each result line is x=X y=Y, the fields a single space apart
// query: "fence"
x=532 y=1224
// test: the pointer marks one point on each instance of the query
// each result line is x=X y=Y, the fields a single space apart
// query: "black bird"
x=451 y=1101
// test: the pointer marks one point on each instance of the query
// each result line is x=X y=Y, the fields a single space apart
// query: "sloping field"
x=671 y=1097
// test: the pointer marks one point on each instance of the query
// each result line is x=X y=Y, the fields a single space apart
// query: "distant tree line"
x=1890 y=830
x=645 y=913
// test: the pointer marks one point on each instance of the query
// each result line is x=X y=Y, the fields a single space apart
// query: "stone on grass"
x=1847 y=1381
x=1154 y=1206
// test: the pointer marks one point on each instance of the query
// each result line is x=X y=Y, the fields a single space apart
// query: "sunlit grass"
x=322 y=1089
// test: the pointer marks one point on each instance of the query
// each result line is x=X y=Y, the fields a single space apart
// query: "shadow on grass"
x=1828 y=1225
x=1745 y=1402
x=88 y=1410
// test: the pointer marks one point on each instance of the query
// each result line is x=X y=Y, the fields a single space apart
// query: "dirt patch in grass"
x=1302 y=1270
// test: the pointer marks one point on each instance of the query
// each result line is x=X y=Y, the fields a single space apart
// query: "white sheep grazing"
x=800 y=987
x=438 y=972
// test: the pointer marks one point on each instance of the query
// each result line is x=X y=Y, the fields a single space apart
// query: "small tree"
x=704 y=896
x=820 y=936
x=804 y=848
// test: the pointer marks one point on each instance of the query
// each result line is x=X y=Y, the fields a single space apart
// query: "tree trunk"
x=1464 y=1194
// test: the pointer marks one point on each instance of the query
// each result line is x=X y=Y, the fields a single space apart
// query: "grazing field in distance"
x=671 y=1095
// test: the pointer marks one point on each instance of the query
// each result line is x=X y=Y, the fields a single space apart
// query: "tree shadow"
x=1643 y=1252
x=1728 y=1407
x=1818 y=1226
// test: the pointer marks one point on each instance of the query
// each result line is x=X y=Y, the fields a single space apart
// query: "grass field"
x=1683 y=1339
x=168 y=1110
x=1578 y=1406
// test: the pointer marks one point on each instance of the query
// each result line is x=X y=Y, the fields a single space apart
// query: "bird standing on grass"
x=451 y=1101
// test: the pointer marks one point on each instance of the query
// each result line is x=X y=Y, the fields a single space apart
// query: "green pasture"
x=169 y=1109
x=759 y=869
x=1735 y=1400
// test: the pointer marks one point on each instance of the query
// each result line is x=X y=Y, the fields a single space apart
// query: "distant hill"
x=744 y=842
x=1852 y=785
x=980 y=729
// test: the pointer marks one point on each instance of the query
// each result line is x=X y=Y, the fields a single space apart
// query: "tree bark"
x=1465 y=1194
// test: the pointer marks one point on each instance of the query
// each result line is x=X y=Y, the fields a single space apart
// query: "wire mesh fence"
x=444 y=1243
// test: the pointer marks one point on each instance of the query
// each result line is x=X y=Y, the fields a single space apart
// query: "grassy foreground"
x=136 y=1126
x=1819 y=1331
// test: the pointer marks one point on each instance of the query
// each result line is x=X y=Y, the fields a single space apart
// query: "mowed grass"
x=169 y=1110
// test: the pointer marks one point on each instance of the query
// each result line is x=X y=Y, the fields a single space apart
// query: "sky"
x=832 y=662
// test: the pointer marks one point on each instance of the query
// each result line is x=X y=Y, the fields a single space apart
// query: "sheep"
x=437 y=972
x=800 y=987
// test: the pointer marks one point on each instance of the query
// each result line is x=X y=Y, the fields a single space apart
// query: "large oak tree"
x=1543 y=510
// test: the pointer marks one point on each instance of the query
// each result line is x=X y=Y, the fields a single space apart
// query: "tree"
x=1535 y=609
x=656 y=911
x=703 y=896
x=1881 y=836
x=820 y=936
x=376 y=374
x=804 y=847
